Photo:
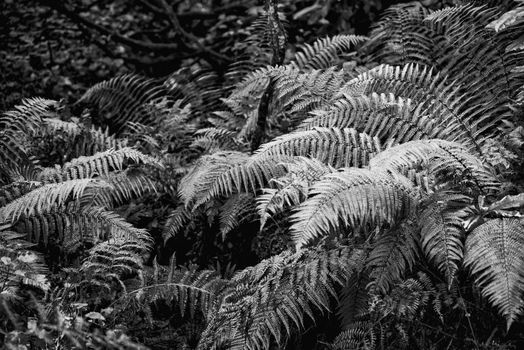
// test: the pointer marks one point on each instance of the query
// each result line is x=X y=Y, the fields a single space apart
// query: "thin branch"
x=137 y=44
x=178 y=28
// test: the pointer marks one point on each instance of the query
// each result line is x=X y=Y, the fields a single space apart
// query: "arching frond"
x=291 y=189
x=442 y=232
x=334 y=146
x=127 y=98
x=324 y=52
x=447 y=161
x=354 y=198
x=16 y=126
x=274 y=297
x=494 y=255
x=71 y=227
x=354 y=299
x=440 y=98
x=205 y=171
x=191 y=289
x=393 y=255
x=400 y=36
x=358 y=335
x=237 y=209
x=100 y=164
x=389 y=118
x=177 y=220
x=44 y=198
x=215 y=139
x=125 y=186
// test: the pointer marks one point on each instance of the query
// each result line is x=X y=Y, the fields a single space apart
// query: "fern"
x=237 y=209
x=128 y=98
x=493 y=256
x=393 y=255
x=442 y=232
x=271 y=298
x=354 y=198
x=100 y=164
x=323 y=53
x=42 y=199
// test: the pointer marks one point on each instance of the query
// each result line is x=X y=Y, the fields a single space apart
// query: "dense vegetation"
x=354 y=192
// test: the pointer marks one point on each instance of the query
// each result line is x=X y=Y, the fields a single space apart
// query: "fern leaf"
x=205 y=172
x=493 y=254
x=237 y=209
x=42 y=199
x=442 y=232
x=323 y=53
x=353 y=198
x=127 y=98
x=100 y=164
x=393 y=255
x=333 y=146
x=274 y=296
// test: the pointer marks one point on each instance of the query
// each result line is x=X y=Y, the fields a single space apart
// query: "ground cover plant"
x=344 y=192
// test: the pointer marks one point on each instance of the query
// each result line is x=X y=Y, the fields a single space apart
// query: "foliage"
x=348 y=193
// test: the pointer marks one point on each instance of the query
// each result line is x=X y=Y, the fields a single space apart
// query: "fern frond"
x=447 y=161
x=176 y=221
x=19 y=266
x=494 y=256
x=215 y=139
x=442 y=232
x=400 y=36
x=359 y=335
x=323 y=53
x=15 y=128
x=393 y=255
x=191 y=289
x=125 y=186
x=354 y=198
x=100 y=164
x=391 y=119
x=439 y=97
x=72 y=226
x=273 y=297
x=44 y=198
x=237 y=209
x=127 y=98
x=334 y=146
x=354 y=299
x=205 y=172
x=291 y=189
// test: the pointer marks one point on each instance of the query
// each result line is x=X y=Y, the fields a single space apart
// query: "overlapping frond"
x=16 y=126
x=19 y=266
x=44 y=198
x=291 y=189
x=494 y=256
x=394 y=253
x=205 y=171
x=324 y=53
x=356 y=199
x=72 y=227
x=391 y=119
x=127 y=98
x=338 y=147
x=193 y=290
x=400 y=36
x=446 y=161
x=442 y=232
x=275 y=296
x=177 y=220
x=100 y=164
x=238 y=209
